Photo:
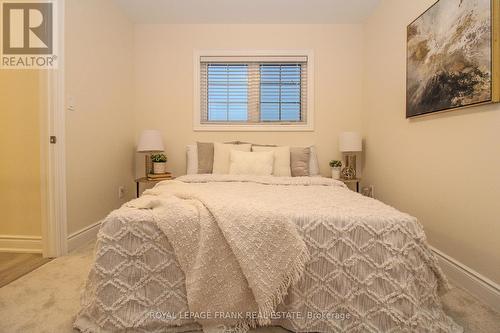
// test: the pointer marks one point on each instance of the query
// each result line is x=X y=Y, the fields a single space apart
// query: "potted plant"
x=159 y=163
x=335 y=165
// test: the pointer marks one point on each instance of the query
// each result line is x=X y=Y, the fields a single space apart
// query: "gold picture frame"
x=429 y=86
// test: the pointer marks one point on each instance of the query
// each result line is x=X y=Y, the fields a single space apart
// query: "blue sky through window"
x=280 y=92
x=279 y=95
x=227 y=92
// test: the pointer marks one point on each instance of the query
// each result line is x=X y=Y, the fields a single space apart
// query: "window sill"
x=252 y=128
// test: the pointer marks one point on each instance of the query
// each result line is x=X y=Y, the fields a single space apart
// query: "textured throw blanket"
x=239 y=256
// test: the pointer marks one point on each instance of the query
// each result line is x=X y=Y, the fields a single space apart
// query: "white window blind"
x=253 y=90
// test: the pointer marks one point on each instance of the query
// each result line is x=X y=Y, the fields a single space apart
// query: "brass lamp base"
x=148 y=165
x=349 y=171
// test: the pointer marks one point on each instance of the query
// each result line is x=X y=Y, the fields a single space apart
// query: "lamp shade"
x=350 y=141
x=150 y=140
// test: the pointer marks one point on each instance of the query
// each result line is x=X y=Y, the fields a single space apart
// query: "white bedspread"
x=370 y=266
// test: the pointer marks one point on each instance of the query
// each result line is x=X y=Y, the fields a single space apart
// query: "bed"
x=368 y=267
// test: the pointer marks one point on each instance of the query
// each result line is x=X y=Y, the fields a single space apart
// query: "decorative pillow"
x=299 y=161
x=281 y=159
x=313 y=162
x=251 y=163
x=205 y=157
x=222 y=155
x=192 y=159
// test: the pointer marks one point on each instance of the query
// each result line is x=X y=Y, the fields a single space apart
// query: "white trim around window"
x=308 y=125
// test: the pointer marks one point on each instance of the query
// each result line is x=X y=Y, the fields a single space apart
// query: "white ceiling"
x=248 y=11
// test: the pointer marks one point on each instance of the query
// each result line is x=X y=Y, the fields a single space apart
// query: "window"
x=280 y=92
x=227 y=92
x=253 y=92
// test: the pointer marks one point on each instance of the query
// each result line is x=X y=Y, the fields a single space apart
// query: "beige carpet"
x=47 y=299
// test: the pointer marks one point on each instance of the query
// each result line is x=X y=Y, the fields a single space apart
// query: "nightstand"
x=147 y=181
x=351 y=182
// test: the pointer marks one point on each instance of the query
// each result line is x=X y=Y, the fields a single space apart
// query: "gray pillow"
x=299 y=161
x=205 y=157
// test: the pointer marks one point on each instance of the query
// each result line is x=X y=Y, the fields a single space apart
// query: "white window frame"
x=289 y=127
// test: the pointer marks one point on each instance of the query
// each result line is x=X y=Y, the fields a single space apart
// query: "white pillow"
x=192 y=159
x=251 y=163
x=313 y=162
x=222 y=154
x=281 y=166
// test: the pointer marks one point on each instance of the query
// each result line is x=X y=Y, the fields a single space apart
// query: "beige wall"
x=164 y=81
x=100 y=132
x=20 y=186
x=442 y=168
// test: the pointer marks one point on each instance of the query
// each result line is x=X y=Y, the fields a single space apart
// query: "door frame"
x=53 y=170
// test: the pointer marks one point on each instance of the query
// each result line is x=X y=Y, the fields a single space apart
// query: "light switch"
x=71 y=103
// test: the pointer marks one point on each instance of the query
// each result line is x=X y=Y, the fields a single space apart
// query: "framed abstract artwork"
x=453 y=57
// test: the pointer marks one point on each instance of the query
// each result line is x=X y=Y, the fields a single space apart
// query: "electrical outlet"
x=368 y=191
x=121 y=192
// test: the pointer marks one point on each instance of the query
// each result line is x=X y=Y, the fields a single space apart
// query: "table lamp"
x=150 y=141
x=349 y=143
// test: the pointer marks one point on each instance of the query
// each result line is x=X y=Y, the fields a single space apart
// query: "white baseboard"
x=83 y=236
x=465 y=277
x=20 y=244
